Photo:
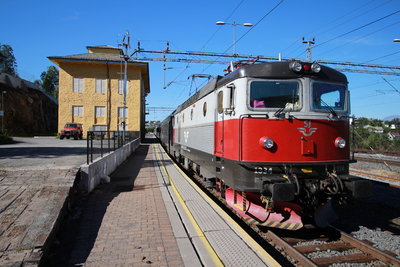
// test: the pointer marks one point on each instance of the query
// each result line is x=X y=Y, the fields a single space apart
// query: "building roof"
x=95 y=55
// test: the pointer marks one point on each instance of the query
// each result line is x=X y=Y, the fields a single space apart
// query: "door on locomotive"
x=219 y=126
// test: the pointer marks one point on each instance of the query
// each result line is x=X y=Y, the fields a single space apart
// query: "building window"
x=101 y=86
x=100 y=111
x=77 y=111
x=121 y=112
x=121 y=128
x=100 y=128
x=121 y=87
x=78 y=85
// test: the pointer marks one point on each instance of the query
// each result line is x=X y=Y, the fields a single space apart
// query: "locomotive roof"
x=266 y=70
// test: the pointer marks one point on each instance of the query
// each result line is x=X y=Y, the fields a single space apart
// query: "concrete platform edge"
x=99 y=170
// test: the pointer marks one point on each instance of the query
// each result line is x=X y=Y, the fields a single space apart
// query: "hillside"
x=28 y=111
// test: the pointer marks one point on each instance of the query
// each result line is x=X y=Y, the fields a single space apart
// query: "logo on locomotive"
x=307 y=130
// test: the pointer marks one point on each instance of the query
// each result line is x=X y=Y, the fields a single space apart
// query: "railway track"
x=325 y=247
x=381 y=178
x=314 y=246
x=377 y=160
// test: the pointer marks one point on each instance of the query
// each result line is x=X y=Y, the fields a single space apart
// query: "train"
x=272 y=138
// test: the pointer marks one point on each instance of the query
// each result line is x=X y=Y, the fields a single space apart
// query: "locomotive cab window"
x=328 y=96
x=275 y=94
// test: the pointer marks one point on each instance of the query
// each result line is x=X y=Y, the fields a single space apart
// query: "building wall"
x=89 y=98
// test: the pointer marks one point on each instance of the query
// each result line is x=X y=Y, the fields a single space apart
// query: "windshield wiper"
x=279 y=113
x=329 y=108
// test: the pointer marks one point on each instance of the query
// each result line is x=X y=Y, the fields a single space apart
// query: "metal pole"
x=126 y=57
x=234 y=38
x=4 y=113
x=101 y=143
x=87 y=147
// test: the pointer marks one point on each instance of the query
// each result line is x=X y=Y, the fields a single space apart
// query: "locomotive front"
x=283 y=136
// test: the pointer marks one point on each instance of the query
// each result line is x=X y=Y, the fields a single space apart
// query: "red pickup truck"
x=72 y=129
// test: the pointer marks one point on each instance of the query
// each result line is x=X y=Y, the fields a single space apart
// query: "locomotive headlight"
x=315 y=67
x=295 y=66
x=266 y=142
x=340 y=142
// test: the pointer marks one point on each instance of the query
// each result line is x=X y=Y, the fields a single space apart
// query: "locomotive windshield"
x=274 y=94
x=328 y=96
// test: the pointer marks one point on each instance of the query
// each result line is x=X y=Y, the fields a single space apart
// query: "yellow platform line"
x=210 y=250
x=245 y=236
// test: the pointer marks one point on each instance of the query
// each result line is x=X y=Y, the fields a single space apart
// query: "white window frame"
x=120 y=128
x=100 y=128
x=101 y=86
x=121 y=87
x=78 y=85
x=77 y=111
x=120 y=112
x=99 y=111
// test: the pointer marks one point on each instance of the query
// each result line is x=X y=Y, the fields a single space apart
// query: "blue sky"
x=38 y=29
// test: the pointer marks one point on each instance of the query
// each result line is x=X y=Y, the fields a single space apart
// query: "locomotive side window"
x=328 y=96
x=204 y=109
x=275 y=94
x=220 y=101
x=191 y=114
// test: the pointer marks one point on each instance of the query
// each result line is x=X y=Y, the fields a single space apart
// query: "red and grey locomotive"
x=272 y=137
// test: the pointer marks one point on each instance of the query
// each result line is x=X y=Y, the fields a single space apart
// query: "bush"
x=5 y=140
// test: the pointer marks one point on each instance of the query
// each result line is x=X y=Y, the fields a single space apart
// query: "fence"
x=103 y=142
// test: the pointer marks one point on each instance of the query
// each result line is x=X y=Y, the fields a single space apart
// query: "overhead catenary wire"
x=298 y=40
x=201 y=49
x=251 y=28
x=358 y=28
x=359 y=39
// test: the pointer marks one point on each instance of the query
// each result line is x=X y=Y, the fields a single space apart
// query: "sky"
x=359 y=31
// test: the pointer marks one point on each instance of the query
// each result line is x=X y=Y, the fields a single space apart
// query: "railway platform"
x=151 y=214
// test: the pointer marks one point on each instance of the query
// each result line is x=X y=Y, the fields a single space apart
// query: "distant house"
x=374 y=129
x=394 y=136
x=394 y=126
x=91 y=90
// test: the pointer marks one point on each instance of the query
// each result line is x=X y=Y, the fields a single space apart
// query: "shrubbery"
x=5 y=140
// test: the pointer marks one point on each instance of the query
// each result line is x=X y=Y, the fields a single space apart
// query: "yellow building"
x=91 y=90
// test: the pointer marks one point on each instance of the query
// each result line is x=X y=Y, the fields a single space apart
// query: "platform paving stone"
x=36 y=175
x=125 y=222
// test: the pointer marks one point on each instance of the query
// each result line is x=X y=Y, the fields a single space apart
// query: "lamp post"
x=2 y=110
x=234 y=24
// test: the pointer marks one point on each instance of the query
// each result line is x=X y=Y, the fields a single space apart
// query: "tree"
x=8 y=63
x=49 y=81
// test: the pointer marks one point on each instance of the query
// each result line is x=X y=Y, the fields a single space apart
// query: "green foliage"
x=49 y=81
x=150 y=129
x=8 y=63
x=5 y=140
x=364 y=139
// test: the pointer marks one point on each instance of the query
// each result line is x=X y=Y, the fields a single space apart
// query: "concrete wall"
x=99 y=170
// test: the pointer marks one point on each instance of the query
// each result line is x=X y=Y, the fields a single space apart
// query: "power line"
x=388 y=55
x=339 y=65
x=298 y=40
x=358 y=28
x=360 y=38
x=219 y=28
x=254 y=25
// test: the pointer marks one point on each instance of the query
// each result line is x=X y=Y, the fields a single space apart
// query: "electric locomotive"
x=272 y=138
